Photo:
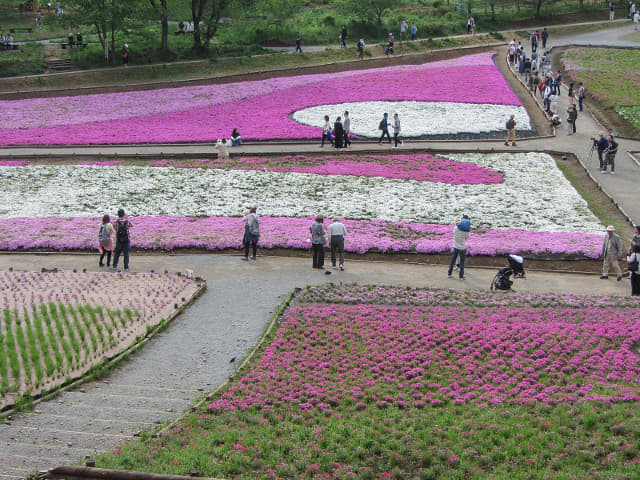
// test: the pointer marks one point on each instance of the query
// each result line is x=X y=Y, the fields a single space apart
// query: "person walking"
x=511 y=131
x=414 y=31
x=611 y=253
x=361 y=48
x=396 y=131
x=461 y=233
x=105 y=240
x=123 y=241
x=337 y=232
x=343 y=37
x=545 y=37
x=326 y=131
x=318 y=239
x=346 y=125
x=571 y=119
x=634 y=260
x=610 y=154
x=338 y=134
x=251 y=233
x=612 y=11
x=384 y=126
x=298 y=42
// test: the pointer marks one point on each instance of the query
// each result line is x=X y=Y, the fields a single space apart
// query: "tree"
x=366 y=10
x=106 y=16
x=162 y=13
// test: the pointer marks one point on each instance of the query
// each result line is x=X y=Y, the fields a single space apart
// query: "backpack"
x=122 y=234
x=632 y=266
x=381 y=125
x=103 y=238
x=254 y=227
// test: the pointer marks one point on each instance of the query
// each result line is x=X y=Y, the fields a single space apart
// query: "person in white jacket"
x=461 y=233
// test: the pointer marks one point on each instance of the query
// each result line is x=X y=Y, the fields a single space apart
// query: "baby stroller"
x=502 y=280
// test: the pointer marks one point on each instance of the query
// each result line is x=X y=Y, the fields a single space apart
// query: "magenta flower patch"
x=260 y=109
x=433 y=348
x=219 y=233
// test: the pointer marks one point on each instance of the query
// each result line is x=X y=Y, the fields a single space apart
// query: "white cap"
x=611 y=228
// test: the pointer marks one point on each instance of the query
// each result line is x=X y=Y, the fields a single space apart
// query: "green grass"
x=631 y=115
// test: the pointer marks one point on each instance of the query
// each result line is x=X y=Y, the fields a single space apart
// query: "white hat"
x=611 y=228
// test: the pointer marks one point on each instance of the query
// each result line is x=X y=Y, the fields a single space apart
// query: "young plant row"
x=52 y=340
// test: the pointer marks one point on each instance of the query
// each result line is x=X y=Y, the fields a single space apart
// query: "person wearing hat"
x=460 y=235
x=611 y=253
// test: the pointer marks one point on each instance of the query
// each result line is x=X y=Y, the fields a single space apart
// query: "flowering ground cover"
x=391 y=203
x=611 y=76
x=386 y=382
x=56 y=325
x=260 y=109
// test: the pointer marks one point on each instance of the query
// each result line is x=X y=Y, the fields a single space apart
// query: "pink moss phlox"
x=217 y=233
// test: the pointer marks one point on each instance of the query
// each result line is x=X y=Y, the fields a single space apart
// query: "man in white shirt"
x=337 y=231
x=460 y=234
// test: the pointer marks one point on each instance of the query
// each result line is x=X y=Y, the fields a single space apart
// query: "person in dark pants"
x=461 y=233
x=326 y=131
x=298 y=42
x=601 y=145
x=581 y=94
x=251 y=233
x=347 y=129
x=396 y=131
x=123 y=242
x=384 y=126
x=337 y=232
x=610 y=154
x=635 y=274
x=338 y=134
x=318 y=239
x=545 y=37
x=343 y=37
x=571 y=120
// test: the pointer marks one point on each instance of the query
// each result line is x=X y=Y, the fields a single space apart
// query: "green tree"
x=106 y=16
x=366 y=10
x=162 y=12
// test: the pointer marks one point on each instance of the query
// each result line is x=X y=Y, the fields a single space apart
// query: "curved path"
x=194 y=354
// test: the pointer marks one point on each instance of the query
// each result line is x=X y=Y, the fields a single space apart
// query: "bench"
x=65 y=45
x=13 y=46
x=25 y=29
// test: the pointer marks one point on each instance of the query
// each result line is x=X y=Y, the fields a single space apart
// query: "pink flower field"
x=259 y=109
x=433 y=348
x=219 y=233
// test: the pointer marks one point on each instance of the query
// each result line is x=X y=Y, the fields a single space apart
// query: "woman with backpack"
x=105 y=240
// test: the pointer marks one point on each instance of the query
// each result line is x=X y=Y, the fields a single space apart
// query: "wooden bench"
x=65 y=45
x=19 y=29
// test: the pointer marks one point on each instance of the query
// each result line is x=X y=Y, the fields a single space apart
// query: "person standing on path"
x=251 y=233
x=338 y=134
x=635 y=274
x=581 y=94
x=361 y=48
x=601 y=146
x=346 y=125
x=125 y=55
x=511 y=131
x=326 y=131
x=384 y=126
x=635 y=239
x=318 y=239
x=610 y=154
x=611 y=253
x=123 y=241
x=298 y=42
x=343 y=37
x=545 y=37
x=571 y=120
x=337 y=232
x=414 y=31
x=396 y=131
x=461 y=233
x=105 y=240
x=612 y=11
x=404 y=26
x=636 y=20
